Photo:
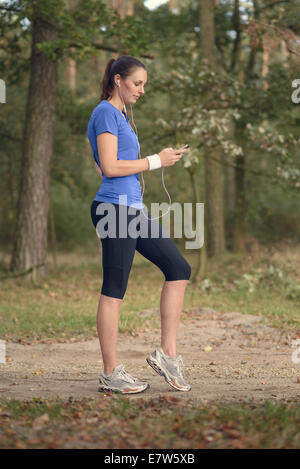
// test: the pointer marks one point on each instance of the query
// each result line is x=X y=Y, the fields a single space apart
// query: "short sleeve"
x=106 y=121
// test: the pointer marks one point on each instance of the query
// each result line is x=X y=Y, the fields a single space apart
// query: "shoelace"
x=179 y=364
x=129 y=378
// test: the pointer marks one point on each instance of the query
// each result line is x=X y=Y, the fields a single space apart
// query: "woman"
x=115 y=148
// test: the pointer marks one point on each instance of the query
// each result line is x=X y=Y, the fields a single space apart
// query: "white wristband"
x=154 y=161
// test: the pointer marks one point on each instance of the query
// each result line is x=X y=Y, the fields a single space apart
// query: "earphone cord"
x=162 y=176
x=162 y=172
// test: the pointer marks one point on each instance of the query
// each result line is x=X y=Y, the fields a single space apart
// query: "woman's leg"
x=117 y=258
x=171 y=302
x=163 y=252
x=107 y=326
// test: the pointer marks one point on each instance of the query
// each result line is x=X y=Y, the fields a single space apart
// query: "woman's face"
x=132 y=87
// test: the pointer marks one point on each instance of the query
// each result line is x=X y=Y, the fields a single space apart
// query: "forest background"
x=221 y=76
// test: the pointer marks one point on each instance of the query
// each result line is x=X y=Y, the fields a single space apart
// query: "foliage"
x=175 y=109
x=285 y=148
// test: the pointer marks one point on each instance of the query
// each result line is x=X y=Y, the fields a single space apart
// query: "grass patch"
x=166 y=422
x=63 y=306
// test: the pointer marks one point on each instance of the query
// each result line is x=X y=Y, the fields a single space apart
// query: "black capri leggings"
x=118 y=253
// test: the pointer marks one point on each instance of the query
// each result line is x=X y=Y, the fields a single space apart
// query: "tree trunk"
x=199 y=270
x=229 y=174
x=230 y=191
x=240 y=201
x=71 y=63
x=130 y=8
x=238 y=183
x=214 y=219
x=72 y=69
x=120 y=6
x=30 y=237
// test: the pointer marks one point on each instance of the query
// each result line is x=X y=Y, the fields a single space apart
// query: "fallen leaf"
x=233 y=434
x=41 y=419
x=33 y=441
x=208 y=348
x=38 y=372
x=9 y=432
x=20 y=444
x=53 y=444
x=6 y=413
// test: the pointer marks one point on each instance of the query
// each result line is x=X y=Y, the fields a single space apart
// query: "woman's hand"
x=169 y=156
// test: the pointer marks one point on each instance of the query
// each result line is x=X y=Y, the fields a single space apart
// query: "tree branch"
x=9 y=137
x=277 y=2
x=20 y=274
x=237 y=28
x=10 y=9
x=266 y=175
x=110 y=49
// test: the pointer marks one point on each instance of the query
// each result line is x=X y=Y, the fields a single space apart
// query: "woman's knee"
x=112 y=299
x=186 y=270
x=179 y=270
x=114 y=282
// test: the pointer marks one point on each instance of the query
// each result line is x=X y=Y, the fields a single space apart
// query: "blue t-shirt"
x=107 y=118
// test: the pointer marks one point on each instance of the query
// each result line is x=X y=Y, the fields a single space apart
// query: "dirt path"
x=248 y=362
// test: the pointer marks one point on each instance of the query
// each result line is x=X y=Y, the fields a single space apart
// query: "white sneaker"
x=120 y=381
x=170 y=368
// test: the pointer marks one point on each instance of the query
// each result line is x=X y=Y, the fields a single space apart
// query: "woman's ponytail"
x=107 y=85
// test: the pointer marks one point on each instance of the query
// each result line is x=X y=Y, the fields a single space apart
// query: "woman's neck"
x=116 y=101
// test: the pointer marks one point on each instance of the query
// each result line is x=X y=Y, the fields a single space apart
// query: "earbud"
x=118 y=82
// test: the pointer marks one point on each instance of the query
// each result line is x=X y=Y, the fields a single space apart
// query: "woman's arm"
x=98 y=170
x=107 y=144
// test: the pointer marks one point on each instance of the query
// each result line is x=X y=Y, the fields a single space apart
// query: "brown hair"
x=123 y=66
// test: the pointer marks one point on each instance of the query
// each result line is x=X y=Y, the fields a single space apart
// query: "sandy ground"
x=249 y=361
